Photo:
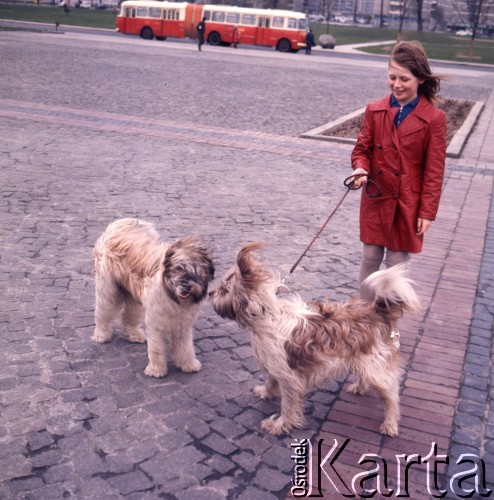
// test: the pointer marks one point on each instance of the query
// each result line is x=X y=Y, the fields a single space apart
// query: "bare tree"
x=325 y=8
x=474 y=13
x=476 y=10
x=381 y=19
x=420 y=22
x=403 y=11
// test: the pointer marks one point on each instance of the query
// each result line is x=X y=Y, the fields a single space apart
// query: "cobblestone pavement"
x=95 y=128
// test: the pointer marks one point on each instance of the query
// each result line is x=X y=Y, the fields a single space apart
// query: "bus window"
x=207 y=15
x=249 y=19
x=155 y=12
x=232 y=17
x=218 y=17
x=263 y=22
x=171 y=15
x=303 y=24
x=128 y=12
x=142 y=11
x=292 y=24
x=278 y=22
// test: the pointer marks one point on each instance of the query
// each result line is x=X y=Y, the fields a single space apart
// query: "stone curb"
x=454 y=148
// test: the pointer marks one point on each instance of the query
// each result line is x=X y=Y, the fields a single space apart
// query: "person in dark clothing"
x=201 y=31
x=309 y=42
x=235 y=37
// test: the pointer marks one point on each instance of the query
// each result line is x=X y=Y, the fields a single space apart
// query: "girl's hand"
x=362 y=180
x=423 y=225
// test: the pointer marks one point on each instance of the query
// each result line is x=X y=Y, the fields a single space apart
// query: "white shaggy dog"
x=159 y=283
x=300 y=345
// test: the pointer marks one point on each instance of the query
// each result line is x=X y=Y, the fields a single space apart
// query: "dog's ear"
x=245 y=260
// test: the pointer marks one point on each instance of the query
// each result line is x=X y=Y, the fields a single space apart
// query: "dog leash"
x=349 y=183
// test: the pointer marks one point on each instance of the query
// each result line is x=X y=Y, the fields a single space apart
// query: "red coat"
x=407 y=163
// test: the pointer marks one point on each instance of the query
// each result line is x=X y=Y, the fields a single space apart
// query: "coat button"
x=379 y=171
x=395 y=196
x=397 y=173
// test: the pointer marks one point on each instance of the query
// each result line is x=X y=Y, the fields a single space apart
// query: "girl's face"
x=403 y=83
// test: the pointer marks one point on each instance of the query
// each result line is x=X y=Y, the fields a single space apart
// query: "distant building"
x=436 y=14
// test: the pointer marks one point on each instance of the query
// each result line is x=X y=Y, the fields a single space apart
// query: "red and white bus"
x=282 y=29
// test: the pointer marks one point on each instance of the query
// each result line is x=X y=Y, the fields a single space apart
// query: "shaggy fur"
x=300 y=345
x=160 y=283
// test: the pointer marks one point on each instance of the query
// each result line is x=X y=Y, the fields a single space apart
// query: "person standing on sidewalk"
x=309 y=42
x=401 y=150
x=201 y=32
x=235 y=37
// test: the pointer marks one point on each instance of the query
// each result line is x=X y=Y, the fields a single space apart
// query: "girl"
x=401 y=151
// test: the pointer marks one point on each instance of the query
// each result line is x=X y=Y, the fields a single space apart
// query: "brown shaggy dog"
x=159 y=283
x=300 y=345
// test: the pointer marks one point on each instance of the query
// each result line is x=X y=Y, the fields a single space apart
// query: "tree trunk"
x=420 y=23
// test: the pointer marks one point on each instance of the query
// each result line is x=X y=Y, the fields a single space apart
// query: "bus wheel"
x=214 y=38
x=147 y=33
x=284 y=45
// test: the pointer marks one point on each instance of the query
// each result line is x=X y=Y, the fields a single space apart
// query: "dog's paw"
x=262 y=392
x=275 y=425
x=100 y=336
x=155 y=371
x=389 y=429
x=191 y=366
x=136 y=335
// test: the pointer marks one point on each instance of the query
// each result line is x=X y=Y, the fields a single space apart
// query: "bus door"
x=262 y=34
x=126 y=22
x=171 y=25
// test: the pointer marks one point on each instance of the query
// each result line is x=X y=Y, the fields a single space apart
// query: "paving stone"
x=219 y=444
x=131 y=482
x=472 y=408
x=271 y=479
x=220 y=464
x=475 y=382
x=38 y=440
x=472 y=394
x=200 y=494
x=228 y=428
x=23 y=484
x=46 y=458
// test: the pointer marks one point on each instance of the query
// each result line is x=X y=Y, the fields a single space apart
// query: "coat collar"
x=423 y=110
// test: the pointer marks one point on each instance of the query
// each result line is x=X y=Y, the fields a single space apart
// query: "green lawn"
x=443 y=46
x=50 y=14
x=437 y=45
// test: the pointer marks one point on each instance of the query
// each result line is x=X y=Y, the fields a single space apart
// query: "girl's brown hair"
x=412 y=55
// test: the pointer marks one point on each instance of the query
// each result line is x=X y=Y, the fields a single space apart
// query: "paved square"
x=95 y=128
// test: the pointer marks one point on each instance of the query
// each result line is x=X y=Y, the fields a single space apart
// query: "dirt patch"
x=456 y=113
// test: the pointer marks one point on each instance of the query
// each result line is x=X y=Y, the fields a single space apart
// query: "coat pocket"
x=416 y=181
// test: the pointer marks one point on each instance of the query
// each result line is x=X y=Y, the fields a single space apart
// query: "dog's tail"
x=394 y=291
